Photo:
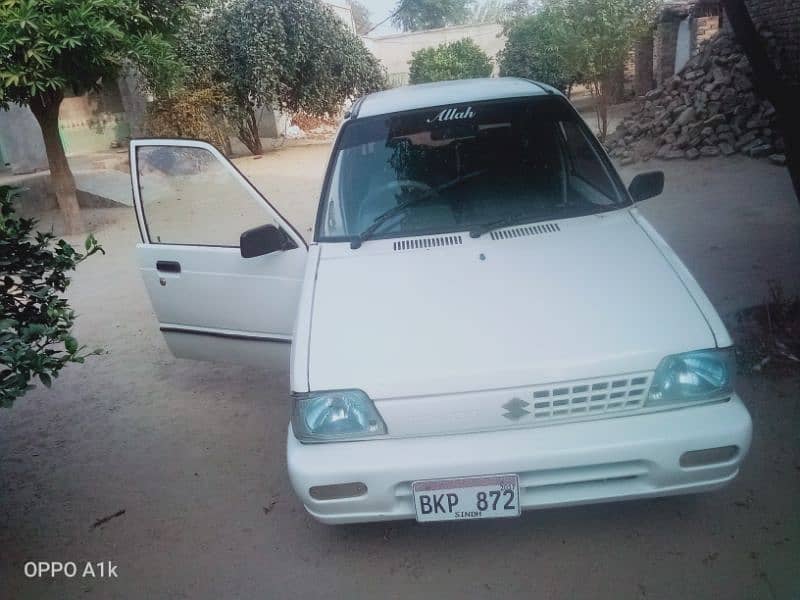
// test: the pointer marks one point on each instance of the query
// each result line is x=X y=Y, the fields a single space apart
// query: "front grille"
x=589 y=398
x=517 y=408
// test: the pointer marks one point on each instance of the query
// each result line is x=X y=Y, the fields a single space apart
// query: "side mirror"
x=646 y=185
x=264 y=240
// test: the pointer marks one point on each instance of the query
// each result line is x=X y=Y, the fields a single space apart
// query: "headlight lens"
x=693 y=376
x=335 y=416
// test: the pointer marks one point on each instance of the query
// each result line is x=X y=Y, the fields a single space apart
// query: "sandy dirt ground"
x=194 y=452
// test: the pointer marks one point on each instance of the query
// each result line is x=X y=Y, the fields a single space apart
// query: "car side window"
x=585 y=161
x=190 y=197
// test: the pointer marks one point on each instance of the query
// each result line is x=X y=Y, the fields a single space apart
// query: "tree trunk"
x=600 y=93
x=45 y=108
x=614 y=85
x=769 y=83
x=248 y=133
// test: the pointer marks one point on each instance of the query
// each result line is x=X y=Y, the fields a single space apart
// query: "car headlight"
x=693 y=376
x=335 y=416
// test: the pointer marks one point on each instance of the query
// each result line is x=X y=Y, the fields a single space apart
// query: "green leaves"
x=50 y=45
x=290 y=54
x=70 y=344
x=35 y=320
x=463 y=59
x=571 y=41
x=534 y=50
x=416 y=15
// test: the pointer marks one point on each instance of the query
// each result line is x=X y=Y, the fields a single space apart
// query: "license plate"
x=484 y=497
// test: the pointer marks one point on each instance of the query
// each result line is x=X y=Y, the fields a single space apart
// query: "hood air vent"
x=505 y=234
x=431 y=242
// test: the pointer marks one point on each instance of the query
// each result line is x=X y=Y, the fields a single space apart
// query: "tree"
x=489 y=11
x=288 y=54
x=51 y=46
x=784 y=96
x=35 y=320
x=587 y=40
x=417 y=15
x=533 y=51
x=360 y=16
x=170 y=16
x=519 y=9
x=596 y=36
x=463 y=59
x=197 y=112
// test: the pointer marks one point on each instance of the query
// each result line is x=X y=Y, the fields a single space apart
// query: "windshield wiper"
x=356 y=242
x=383 y=217
x=478 y=230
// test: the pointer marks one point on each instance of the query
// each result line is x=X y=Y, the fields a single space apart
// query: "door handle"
x=168 y=266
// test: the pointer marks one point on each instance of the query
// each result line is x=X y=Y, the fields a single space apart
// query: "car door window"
x=586 y=164
x=190 y=197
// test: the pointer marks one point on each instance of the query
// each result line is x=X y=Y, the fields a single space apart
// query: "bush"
x=585 y=41
x=532 y=51
x=35 y=321
x=198 y=113
x=293 y=56
x=457 y=60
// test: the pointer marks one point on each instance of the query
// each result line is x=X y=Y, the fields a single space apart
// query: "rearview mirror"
x=646 y=185
x=264 y=240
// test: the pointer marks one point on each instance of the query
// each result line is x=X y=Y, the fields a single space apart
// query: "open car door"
x=199 y=217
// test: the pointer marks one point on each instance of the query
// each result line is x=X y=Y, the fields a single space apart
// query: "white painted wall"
x=395 y=50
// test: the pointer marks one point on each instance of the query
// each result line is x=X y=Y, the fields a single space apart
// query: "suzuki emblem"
x=516 y=409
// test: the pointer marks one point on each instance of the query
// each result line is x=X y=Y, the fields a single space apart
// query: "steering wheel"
x=379 y=200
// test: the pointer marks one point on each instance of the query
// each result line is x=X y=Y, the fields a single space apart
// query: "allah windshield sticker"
x=453 y=114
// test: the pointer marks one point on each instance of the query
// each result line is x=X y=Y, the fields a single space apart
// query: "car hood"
x=580 y=298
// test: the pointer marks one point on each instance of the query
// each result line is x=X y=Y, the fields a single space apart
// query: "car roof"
x=441 y=93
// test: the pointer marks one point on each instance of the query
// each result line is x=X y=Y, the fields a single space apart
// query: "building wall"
x=643 y=80
x=88 y=123
x=92 y=122
x=703 y=28
x=134 y=102
x=782 y=18
x=395 y=50
x=21 y=141
x=665 y=43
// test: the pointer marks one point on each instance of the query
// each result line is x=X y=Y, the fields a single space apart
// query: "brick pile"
x=709 y=108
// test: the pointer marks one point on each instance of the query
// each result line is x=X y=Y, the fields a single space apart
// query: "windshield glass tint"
x=455 y=168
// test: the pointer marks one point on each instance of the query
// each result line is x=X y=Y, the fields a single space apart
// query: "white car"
x=484 y=323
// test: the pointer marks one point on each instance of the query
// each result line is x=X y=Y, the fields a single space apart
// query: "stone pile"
x=709 y=108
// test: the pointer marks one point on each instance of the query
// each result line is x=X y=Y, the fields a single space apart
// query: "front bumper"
x=620 y=458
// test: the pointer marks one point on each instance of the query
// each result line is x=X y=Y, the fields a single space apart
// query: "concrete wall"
x=134 y=102
x=21 y=141
x=93 y=122
x=88 y=123
x=395 y=50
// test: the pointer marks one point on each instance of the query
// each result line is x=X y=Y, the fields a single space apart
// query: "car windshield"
x=463 y=167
